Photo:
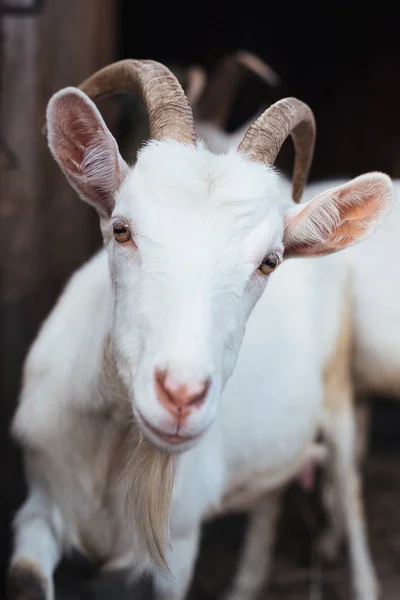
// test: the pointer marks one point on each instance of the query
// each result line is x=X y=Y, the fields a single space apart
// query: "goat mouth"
x=171 y=438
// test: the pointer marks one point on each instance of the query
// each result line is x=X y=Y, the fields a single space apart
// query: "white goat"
x=376 y=298
x=376 y=273
x=164 y=378
x=375 y=358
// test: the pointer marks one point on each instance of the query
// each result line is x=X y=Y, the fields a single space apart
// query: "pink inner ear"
x=76 y=127
x=356 y=219
x=337 y=219
x=85 y=149
x=363 y=213
x=79 y=140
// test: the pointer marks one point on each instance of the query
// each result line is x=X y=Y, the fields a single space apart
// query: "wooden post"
x=45 y=231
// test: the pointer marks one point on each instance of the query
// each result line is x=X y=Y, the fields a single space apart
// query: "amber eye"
x=122 y=233
x=269 y=264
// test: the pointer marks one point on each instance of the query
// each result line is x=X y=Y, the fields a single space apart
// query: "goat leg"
x=36 y=551
x=255 y=560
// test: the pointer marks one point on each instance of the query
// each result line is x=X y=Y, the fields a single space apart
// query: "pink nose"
x=179 y=399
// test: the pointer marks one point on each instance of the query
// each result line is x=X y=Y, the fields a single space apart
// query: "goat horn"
x=264 y=138
x=170 y=115
x=215 y=104
x=195 y=82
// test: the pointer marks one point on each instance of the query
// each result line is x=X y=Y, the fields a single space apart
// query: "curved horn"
x=170 y=115
x=215 y=104
x=263 y=140
x=195 y=82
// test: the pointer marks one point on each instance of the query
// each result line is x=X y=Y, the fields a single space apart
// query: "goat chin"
x=146 y=484
x=144 y=476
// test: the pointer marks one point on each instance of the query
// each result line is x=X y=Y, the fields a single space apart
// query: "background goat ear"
x=84 y=148
x=338 y=217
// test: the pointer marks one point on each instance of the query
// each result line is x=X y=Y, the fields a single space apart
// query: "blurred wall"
x=45 y=231
x=341 y=57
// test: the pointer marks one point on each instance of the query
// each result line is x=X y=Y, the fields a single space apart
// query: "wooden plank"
x=45 y=231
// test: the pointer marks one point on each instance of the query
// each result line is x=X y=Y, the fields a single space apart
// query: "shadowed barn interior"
x=345 y=66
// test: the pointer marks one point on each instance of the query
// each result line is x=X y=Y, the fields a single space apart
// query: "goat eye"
x=122 y=233
x=269 y=264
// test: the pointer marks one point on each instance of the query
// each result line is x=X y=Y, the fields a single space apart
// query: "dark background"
x=342 y=59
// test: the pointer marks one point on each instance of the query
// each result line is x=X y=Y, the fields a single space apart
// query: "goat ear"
x=84 y=148
x=339 y=217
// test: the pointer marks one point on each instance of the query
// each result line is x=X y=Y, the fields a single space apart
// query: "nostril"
x=178 y=397
x=160 y=376
x=161 y=390
x=199 y=397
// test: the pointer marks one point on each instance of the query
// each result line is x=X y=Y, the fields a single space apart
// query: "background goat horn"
x=195 y=81
x=216 y=102
x=170 y=115
x=264 y=139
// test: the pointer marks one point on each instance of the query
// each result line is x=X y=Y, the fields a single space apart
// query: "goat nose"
x=179 y=398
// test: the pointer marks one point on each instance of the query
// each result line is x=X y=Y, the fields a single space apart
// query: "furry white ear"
x=338 y=217
x=84 y=148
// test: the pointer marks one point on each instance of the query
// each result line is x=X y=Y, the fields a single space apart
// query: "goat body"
x=376 y=294
x=110 y=417
x=74 y=416
x=74 y=413
x=375 y=271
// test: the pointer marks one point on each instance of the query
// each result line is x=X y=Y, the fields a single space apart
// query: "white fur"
x=375 y=267
x=218 y=140
x=187 y=298
x=375 y=271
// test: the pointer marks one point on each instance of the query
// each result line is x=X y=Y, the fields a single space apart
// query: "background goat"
x=376 y=358
x=376 y=349
x=211 y=97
